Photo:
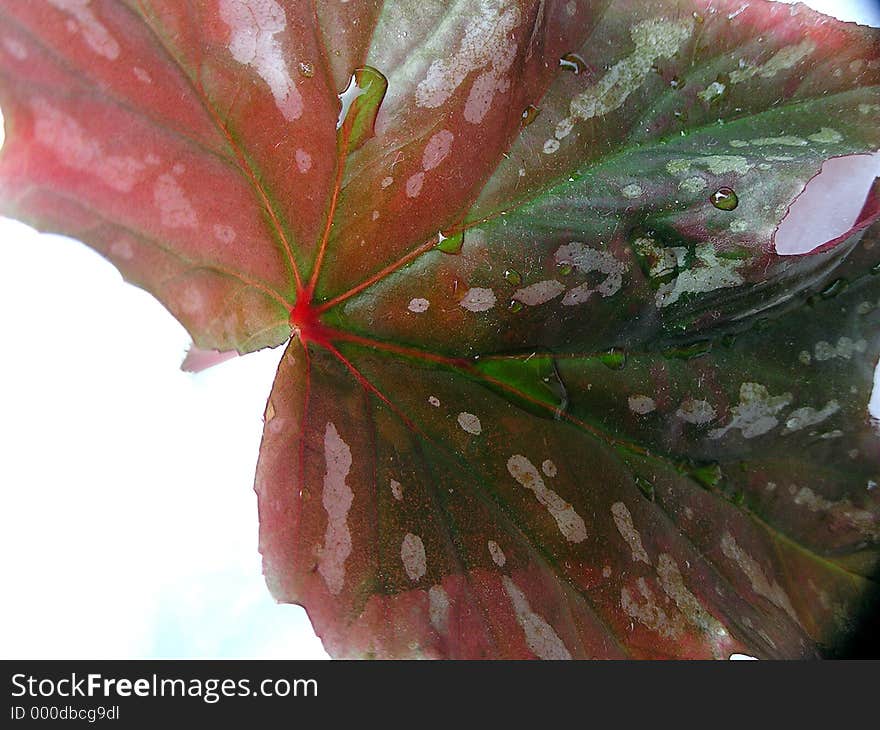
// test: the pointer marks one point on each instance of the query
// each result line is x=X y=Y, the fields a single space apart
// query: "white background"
x=128 y=525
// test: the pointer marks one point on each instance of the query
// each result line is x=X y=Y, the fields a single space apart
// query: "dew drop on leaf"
x=530 y=114
x=450 y=244
x=645 y=487
x=360 y=101
x=725 y=199
x=532 y=382
x=838 y=286
x=614 y=359
x=573 y=62
x=512 y=277
x=708 y=475
x=689 y=352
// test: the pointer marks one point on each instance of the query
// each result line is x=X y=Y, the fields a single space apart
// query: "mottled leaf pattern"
x=551 y=391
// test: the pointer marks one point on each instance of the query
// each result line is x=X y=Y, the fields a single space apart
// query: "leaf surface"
x=552 y=392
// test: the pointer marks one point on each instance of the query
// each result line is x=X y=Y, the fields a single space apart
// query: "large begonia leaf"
x=552 y=392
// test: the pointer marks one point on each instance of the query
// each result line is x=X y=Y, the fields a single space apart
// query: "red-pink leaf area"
x=553 y=391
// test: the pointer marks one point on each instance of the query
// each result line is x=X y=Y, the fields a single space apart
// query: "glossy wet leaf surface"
x=551 y=392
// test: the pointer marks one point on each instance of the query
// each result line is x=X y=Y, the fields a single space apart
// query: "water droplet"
x=689 y=352
x=614 y=359
x=708 y=475
x=725 y=199
x=838 y=286
x=564 y=268
x=530 y=115
x=512 y=277
x=450 y=244
x=739 y=253
x=307 y=69
x=347 y=98
x=573 y=62
x=360 y=106
x=532 y=382
x=645 y=487
x=515 y=306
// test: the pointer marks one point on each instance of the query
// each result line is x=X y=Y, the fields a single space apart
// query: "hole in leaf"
x=831 y=206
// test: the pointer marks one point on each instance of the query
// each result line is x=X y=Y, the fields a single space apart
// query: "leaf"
x=552 y=392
